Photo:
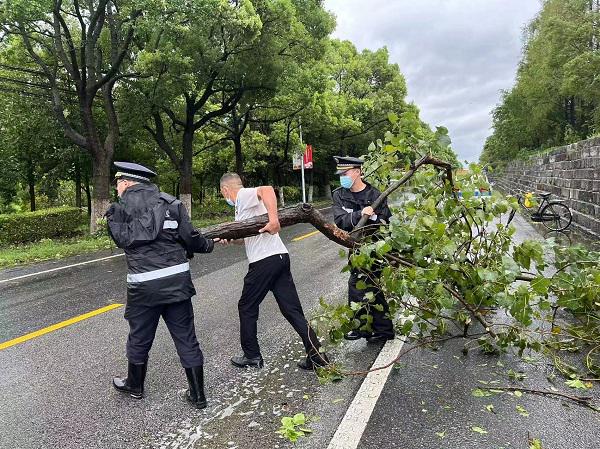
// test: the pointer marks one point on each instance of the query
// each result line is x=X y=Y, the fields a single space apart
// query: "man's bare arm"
x=267 y=195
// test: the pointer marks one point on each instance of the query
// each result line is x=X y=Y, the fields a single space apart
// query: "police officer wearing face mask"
x=158 y=238
x=350 y=202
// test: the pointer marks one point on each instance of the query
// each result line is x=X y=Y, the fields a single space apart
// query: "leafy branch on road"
x=581 y=400
x=447 y=263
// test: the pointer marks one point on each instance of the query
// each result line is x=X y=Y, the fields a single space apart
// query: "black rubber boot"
x=133 y=384
x=314 y=360
x=356 y=335
x=195 y=394
x=243 y=361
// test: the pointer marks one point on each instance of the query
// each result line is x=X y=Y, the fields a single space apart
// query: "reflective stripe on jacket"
x=155 y=231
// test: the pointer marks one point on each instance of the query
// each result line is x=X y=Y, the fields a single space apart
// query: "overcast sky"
x=456 y=55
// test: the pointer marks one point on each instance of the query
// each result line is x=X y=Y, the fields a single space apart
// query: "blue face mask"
x=346 y=181
x=228 y=201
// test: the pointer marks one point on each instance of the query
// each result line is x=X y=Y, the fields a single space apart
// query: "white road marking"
x=59 y=268
x=354 y=423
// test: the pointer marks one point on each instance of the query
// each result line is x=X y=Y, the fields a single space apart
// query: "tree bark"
x=77 y=183
x=303 y=213
x=31 y=184
x=100 y=200
x=88 y=195
x=239 y=158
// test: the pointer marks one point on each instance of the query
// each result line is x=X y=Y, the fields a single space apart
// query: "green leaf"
x=540 y=285
x=478 y=429
x=535 y=444
x=522 y=411
x=361 y=285
x=479 y=393
x=441 y=434
x=576 y=383
x=299 y=419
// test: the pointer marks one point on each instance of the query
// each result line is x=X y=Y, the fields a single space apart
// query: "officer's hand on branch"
x=368 y=211
x=272 y=227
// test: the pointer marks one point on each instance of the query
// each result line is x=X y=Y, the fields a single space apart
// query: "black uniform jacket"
x=347 y=207
x=155 y=231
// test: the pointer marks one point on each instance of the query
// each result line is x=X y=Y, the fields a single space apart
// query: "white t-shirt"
x=247 y=205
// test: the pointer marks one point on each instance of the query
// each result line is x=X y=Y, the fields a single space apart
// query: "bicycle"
x=555 y=215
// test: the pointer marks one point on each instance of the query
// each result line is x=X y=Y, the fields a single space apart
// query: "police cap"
x=134 y=172
x=344 y=163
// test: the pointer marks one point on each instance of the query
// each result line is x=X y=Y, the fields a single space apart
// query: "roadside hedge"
x=43 y=224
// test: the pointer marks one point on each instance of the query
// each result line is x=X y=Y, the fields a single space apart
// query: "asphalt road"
x=55 y=390
x=428 y=401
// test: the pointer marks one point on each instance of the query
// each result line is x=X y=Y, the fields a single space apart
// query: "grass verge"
x=54 y=249
x=49 y=249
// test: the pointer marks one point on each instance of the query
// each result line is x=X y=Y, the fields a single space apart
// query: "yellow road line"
x=54 y=327
x=300 y=237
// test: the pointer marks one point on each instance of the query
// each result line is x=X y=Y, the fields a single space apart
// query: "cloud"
x=456 y=55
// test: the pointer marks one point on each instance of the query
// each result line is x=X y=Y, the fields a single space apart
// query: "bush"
x=292 y=193
x=42 y=224
x=211 y=207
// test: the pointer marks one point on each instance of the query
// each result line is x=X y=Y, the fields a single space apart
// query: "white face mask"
x=230 y=202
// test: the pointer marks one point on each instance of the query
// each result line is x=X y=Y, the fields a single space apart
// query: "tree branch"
x=303 y=213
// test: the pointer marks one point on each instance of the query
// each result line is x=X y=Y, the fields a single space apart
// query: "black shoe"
x=356 y=335
x=379 y=338
x=195 y=392
x=312 y=361
x=242 y=361
x=134 y=382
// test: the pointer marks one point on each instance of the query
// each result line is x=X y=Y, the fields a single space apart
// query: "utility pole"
x=302 y=163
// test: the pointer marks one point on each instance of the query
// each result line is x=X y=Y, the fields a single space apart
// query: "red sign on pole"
x=308 y=157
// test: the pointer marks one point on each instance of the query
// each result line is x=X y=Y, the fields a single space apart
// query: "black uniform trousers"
x=381 y=321
x=179 y=318
x=271 y=274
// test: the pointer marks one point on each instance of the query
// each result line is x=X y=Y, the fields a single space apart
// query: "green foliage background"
x=556 y=98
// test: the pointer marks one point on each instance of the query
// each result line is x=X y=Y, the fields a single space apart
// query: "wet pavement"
x=55 y=390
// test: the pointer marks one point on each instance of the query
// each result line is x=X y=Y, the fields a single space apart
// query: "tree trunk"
x=327 y=190
x=239 y=160
x=281 y=197
x=77 y=182
x=303 y=213
x=100 y=193
x=88 y=195
x=185 y=188
x=31 y=184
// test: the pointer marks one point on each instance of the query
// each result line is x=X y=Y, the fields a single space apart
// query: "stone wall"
x=571 y=173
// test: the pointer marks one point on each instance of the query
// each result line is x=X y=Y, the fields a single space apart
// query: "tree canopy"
x=191 y=89
x=556 y=97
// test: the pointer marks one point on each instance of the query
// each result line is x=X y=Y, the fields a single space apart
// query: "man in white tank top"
x=269 y=270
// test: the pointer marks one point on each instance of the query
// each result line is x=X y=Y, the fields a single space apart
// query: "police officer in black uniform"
x=155 y=231
x=350 y=202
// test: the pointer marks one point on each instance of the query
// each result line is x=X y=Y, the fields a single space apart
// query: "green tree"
x=555 y=99
x=80 y=50
x=213 y=54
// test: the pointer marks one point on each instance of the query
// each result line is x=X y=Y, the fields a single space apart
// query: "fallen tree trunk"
x=305 y=213
x=302 y=213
